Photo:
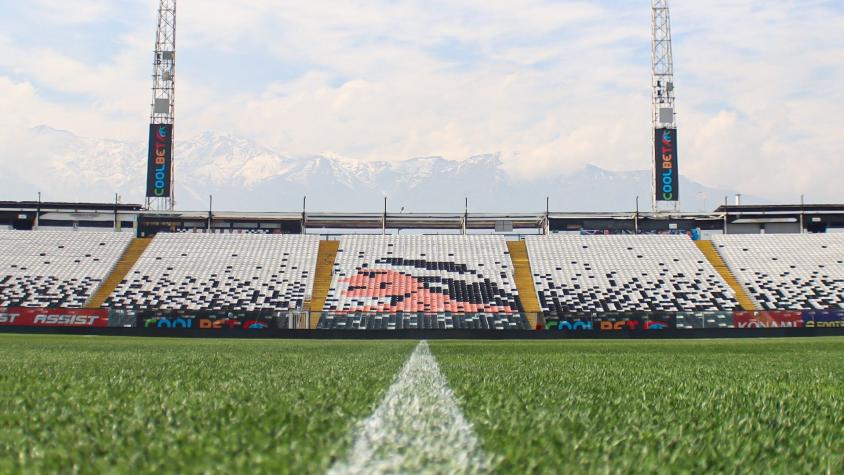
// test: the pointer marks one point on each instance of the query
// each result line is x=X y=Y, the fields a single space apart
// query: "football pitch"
x=131 y=405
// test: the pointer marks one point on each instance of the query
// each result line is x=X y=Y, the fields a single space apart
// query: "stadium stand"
x=399 y=321
x=788 y=272
x=219 y=272
x=594 y=274
x=133 y=252
x=744 y=299
x=423 y=274
x=55 y=268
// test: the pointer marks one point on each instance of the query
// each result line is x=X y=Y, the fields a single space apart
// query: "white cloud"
x=547 y=84
x=70 y=11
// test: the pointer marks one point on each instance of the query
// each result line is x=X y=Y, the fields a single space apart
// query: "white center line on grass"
x=418 y=428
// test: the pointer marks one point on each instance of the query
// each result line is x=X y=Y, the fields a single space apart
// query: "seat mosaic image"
x=423 y=274
x=788 y=272
x=656 y=273
x=220 y=271
x=56 y=268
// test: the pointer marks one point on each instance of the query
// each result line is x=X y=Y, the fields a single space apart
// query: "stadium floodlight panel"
x=162 y=106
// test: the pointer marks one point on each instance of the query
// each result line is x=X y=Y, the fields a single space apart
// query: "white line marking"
x=418 y=428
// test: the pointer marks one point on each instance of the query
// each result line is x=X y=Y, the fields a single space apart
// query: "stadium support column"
x=666 y=174
x=466 y=217
x=160 y=176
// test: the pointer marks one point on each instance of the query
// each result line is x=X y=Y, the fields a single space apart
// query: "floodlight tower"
x=160 y=183
x=666 y=174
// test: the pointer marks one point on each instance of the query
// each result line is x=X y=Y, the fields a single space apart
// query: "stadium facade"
x=727 y=219
x=736 y=267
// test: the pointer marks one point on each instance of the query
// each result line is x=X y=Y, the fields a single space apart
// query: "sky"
x=548 y=85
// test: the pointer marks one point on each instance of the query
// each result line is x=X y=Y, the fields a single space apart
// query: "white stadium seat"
x=594 y=274
x=423 y=274
x=221 y=272
x=788 y=271
x=56 y=268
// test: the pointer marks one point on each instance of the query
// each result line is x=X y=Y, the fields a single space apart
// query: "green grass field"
x=120 y=405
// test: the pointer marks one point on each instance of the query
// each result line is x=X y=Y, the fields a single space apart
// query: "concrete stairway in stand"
x=744 y=299
x=524 y=279
x=322 y=280
x=133 y=252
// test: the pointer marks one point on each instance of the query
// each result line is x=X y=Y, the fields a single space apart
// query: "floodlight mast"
x=664 y=112
x=164 y=87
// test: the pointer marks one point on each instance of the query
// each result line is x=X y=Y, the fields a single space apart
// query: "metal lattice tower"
x=164 y=84
x=664 y=115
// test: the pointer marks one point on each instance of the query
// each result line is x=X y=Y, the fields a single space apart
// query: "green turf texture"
x=108 y=405
x=749 y=406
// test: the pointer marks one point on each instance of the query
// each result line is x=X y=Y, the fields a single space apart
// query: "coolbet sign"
x=160 y=160
x=606 y=324
x=53 y=317
x=190 y=322
x=667 y=174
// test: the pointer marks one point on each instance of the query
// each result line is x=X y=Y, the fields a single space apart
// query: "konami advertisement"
x=667 y=174
x=53 y=317
x=772 y=319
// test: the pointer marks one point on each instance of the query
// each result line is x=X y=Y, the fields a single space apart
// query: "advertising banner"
x=772 y=319
x=53 y=317
x=823 y=319
x=667 y=174
x=569 y=324
x=160 y=160
x=211 y=321
x=612 y=322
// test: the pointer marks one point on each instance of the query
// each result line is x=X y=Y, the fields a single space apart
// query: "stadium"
x=142 y=338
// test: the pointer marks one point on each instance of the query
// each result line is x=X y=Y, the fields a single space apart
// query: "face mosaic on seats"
x=415 y=281
x=423 y=274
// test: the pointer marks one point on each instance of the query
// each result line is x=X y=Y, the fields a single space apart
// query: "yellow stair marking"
x=744 y=299
x=322 y=280
x=134 y=251
x=524 y=279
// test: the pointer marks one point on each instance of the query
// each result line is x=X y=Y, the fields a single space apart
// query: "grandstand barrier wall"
x=168 y=322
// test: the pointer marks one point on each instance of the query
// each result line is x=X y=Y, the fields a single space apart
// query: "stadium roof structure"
x=738 y=217
x=25 y=206
x=779 y=209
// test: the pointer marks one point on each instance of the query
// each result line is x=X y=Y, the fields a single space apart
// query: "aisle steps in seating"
x=744 y=299
x=523 y=275
x=124 y=265
x=322 y=280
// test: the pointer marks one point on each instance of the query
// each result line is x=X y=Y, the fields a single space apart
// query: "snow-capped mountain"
x=243 y=175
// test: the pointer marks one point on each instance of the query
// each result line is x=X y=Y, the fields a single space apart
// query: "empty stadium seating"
x=220 y=271
x=55 y=268
x=788 y=272
x=593 y=274
x=423 y=274
x=401 y=321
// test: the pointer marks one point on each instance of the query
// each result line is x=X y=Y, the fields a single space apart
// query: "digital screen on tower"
x=667 y=174
x=160 y=160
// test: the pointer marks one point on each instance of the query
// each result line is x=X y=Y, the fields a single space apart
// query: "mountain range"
x=245 y=176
